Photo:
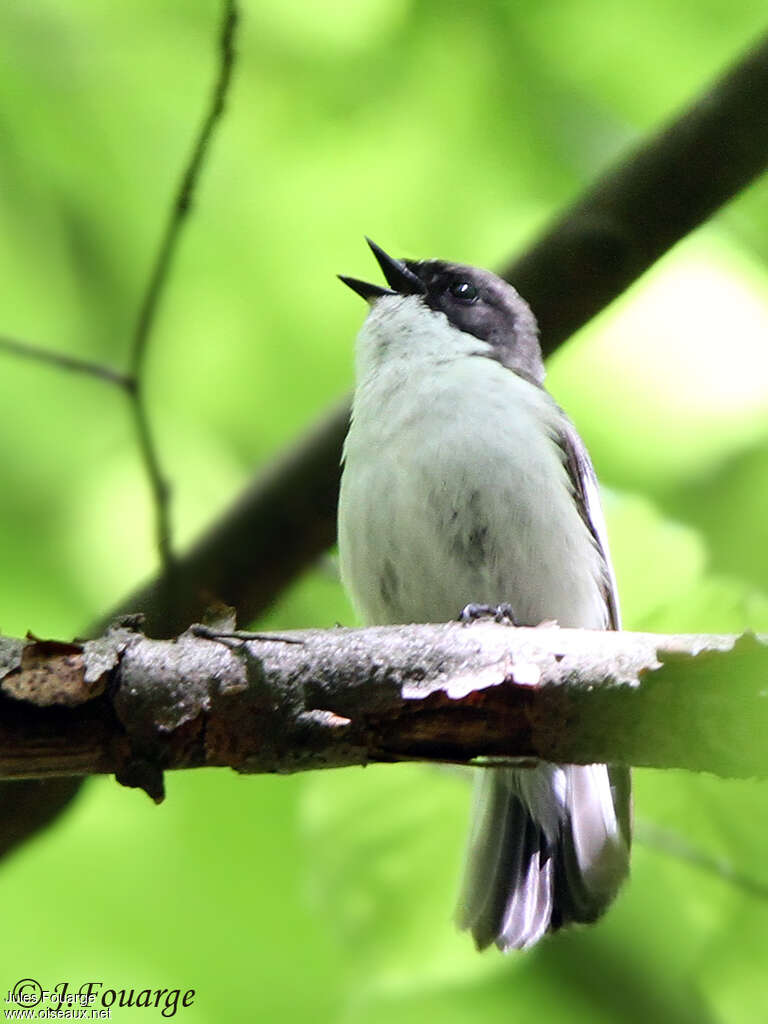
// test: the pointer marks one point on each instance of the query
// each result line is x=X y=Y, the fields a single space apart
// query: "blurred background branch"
x=669 y=843
x=636 y=212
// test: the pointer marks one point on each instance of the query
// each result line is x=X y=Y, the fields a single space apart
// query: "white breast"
x=454 y=490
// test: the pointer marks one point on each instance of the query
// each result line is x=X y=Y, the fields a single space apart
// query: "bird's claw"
x=499 y=613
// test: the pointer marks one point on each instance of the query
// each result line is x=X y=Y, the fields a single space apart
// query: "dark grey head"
x=474 y=301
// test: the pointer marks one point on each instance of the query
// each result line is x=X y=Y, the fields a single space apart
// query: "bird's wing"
x=587 y=495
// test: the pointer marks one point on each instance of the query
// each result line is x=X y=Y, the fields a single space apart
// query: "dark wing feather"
x=587 y=495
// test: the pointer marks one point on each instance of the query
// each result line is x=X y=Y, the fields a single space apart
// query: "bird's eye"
x=463 y=291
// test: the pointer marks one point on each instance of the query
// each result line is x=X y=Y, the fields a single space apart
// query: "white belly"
x=454 y=492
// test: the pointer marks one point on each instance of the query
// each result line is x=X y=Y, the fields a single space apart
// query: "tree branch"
x=182 y=201
x=63 y=361
x=638 y=210
x=591 y=253
x=181 y=207
x=134 y=707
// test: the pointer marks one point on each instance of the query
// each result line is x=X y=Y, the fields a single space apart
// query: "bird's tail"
x=548 y=846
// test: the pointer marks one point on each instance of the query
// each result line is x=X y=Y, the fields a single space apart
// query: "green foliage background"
x=439 y=128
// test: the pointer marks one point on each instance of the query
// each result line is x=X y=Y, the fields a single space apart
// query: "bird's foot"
x=499 y=613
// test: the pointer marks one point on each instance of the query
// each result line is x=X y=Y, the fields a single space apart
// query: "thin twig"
x=132 y=382
x=182 y=202
x=158 y=485
x=65 y=362
x=241 y=634
x=673 y=845
x=156 y=282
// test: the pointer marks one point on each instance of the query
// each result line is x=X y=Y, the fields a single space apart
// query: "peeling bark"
x=483 y=694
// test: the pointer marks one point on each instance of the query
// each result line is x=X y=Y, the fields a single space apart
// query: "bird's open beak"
x=402 y=280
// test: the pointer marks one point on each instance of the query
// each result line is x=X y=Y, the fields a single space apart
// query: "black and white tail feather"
x=547 y=848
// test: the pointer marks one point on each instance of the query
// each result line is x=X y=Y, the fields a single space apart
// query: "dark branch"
x=640 y=209
x=587 y=258
x=135 y=707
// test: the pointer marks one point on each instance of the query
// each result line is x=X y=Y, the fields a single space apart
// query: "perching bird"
x=466 y=485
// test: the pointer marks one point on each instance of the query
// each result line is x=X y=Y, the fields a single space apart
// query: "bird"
x=466 y=491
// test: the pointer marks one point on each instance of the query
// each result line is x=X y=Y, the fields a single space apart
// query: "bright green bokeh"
x=440 y=129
